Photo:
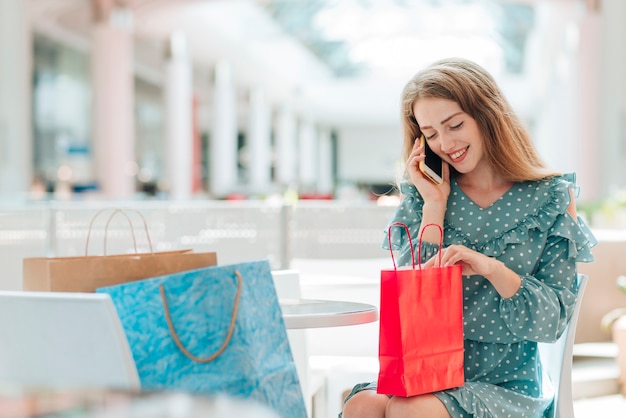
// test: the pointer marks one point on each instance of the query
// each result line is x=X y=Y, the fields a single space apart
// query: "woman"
x=512 y=225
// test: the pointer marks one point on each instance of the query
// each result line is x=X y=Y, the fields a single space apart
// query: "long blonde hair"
x=507 y=144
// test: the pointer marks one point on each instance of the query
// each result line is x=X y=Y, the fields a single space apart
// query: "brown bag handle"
x=231 y=327
x=106 y=228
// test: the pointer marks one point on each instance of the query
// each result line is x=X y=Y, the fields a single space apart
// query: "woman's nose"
x=446 y=143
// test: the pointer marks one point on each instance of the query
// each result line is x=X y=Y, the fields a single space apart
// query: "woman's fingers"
x=449 y=256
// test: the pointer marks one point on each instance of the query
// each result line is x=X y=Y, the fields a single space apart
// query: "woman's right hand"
x=430 y=192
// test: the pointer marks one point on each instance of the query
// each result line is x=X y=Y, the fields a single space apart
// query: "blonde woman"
x=508 y=220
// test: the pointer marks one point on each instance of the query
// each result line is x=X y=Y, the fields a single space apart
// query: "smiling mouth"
x=456 y=155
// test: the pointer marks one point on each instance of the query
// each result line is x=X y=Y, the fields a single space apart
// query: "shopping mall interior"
x=252 y=76
x=271 y=129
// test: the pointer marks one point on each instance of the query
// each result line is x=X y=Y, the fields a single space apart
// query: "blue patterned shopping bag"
x=213 y=330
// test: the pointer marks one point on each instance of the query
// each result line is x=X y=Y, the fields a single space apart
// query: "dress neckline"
x=500 y=198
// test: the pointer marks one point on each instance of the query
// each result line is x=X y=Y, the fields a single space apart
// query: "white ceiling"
x=242 y=33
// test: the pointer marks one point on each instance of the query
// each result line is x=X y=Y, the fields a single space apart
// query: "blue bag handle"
x=231 y=327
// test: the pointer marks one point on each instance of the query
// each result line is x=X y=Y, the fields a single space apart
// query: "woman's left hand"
x=472 y=262
x=505 y=281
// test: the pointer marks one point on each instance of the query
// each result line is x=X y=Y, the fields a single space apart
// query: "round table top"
x=314 y=313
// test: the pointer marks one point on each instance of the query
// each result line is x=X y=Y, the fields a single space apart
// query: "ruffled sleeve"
x=578 y=235
x=543 y=305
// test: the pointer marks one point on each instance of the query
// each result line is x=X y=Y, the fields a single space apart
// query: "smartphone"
x=432 y=165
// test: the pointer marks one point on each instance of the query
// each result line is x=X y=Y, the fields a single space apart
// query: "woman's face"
x=450 y=133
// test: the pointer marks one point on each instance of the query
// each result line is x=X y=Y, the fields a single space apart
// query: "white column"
x=114 y=113
x=552 y=58
x=286 y=146
x=590 y=135
x=612 y=136
x=259 y=142
x=223 y=148
x=325 y=181
x=16 y=168
x=308 y=156
x=178 y=120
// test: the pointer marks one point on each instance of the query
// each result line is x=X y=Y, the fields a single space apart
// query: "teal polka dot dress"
x=530 y=230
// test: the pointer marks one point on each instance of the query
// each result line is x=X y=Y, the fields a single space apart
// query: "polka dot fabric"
x=530 y=230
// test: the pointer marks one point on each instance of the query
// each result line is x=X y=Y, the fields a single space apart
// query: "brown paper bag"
x=86 y=274
x=90 y=272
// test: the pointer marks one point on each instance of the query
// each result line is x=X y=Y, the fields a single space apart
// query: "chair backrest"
x=287 y=283
x=557 y=361
x=63 y=340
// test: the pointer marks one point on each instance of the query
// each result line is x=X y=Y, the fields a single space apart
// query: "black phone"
x=432 y=165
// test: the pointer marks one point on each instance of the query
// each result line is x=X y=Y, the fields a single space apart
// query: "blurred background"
x=271 y=129
x=248 y=99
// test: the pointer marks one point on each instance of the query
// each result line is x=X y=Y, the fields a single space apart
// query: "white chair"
x=63 y=340
x=287 y=284
x=345 y=355
x=557 y=361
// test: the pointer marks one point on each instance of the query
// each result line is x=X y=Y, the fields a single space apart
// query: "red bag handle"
x=419 y=248
x=408 y=233
x=419 y=244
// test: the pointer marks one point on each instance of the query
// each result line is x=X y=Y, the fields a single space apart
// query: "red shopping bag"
x=421 y=327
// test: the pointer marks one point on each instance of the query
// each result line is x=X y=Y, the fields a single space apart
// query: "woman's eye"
x=457 y=126
x=428 y=138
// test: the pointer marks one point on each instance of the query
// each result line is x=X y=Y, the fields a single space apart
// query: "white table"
x=314 y=313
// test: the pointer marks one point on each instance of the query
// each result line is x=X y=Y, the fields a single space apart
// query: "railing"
x=237 y=231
